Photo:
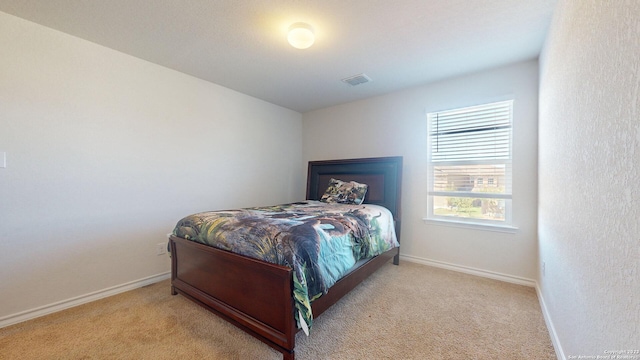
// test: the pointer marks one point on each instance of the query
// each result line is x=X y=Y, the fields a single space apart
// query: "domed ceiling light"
x=301 y=35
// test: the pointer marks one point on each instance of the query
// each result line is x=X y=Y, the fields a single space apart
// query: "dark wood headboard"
x=383 y=175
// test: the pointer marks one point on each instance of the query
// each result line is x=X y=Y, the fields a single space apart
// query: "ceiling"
x=241 y=44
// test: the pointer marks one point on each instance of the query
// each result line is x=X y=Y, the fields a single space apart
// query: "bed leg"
x=173 y=290
x=396 y=259
x=288 y=355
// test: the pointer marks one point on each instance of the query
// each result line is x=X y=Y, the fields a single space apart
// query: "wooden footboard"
x=254 y=295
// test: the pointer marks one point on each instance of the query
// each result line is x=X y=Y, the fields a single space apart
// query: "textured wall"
x=106 y=152
x=589 y=171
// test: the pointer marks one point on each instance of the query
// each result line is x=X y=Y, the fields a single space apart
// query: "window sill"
x=472 y=225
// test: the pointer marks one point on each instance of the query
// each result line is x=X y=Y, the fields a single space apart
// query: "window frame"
x=505 y=225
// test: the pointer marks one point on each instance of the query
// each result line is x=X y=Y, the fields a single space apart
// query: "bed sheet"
x=321 y=242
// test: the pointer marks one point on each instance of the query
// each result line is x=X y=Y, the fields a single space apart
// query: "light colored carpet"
x=409 y=311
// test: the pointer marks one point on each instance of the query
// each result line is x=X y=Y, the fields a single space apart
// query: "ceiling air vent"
x=356 y=79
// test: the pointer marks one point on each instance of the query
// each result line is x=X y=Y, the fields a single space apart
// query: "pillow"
x=342 y=192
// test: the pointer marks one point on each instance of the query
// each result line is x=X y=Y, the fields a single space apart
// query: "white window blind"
x=470 y=163
x=474 y=133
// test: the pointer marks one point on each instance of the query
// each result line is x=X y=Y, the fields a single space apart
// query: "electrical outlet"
x=544 y=268
x=161 y=249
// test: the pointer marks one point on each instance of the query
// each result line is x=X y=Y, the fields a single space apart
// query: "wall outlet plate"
x=161 y=248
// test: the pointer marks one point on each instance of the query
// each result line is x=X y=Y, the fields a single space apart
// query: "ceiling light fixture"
x=301 y=35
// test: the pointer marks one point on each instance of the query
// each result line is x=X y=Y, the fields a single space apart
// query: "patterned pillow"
x=342 y=192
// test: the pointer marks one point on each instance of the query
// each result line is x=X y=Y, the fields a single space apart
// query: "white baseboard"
x=79 y=300
x=552 y=330
x=472 y=271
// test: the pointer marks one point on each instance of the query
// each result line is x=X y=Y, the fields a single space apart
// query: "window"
x=467 y=146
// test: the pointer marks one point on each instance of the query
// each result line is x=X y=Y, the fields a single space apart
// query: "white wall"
x=106 y=152
x=589 y=155
x=395 y=124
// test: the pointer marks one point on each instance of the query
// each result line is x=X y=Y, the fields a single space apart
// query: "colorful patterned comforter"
x=320 y=242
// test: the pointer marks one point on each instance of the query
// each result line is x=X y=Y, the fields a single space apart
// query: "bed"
x=258 y=296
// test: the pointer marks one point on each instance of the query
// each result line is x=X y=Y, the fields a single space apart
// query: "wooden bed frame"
x=257 y=296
